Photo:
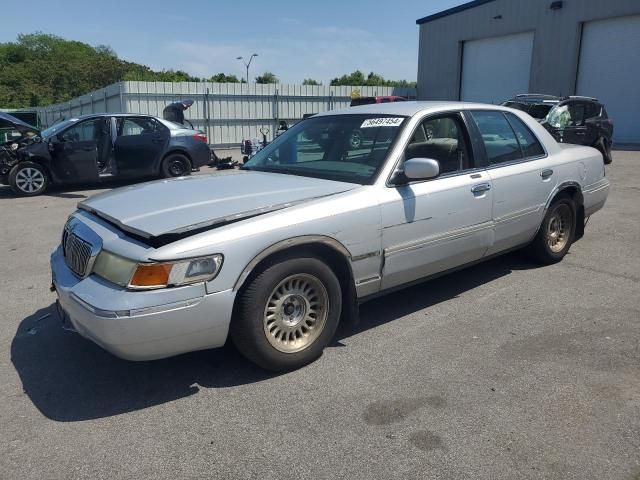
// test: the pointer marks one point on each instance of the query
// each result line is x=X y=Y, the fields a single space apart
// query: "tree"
x=267 y=77
x=371 y=80
x=311 y=81
x=40 y=69
x=224 y=78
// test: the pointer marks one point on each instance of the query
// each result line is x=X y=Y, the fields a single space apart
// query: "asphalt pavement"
x=501 y=371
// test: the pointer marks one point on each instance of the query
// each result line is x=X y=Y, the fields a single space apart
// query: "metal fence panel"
x=226 y=112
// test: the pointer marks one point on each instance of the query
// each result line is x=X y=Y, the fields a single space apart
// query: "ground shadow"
x=70 y=379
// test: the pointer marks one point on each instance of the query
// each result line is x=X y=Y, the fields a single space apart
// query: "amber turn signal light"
x=151 y=275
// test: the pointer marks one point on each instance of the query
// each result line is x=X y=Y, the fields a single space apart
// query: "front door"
x=75 y=151
x=521 y=173
x=434 y=225
x=140 y=142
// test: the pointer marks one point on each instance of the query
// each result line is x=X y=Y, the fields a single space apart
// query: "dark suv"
x=578 y=120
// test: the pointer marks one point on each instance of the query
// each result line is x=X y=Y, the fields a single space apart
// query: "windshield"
x=52 y=130
x=346 y=148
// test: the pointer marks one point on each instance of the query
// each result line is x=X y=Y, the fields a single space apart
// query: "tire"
x=175 y=165
x=606 y=152
x=288 y=313
x=557 y=232
x=28 y=179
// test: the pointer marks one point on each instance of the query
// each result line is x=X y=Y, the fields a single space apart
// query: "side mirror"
x=421 y=168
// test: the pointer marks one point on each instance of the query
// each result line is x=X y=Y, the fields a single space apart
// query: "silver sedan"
x=274 y=255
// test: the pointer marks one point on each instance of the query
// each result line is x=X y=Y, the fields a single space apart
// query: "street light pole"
x=247 y=64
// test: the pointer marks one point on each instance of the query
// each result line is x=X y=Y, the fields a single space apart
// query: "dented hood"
x=191 y=204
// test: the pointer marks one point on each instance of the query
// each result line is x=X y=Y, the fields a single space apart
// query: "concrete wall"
x=226 y=112
x=556 y=44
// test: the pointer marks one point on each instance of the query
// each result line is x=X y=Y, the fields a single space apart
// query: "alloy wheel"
x=296 y=313
x=30 y=180
x=559 y=228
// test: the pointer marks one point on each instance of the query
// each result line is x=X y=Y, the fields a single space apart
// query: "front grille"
x=77 y=252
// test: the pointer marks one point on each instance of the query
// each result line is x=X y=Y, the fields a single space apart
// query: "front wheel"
x=556 y=233
x=288 y=313
x=175 y=165
x=28 y=179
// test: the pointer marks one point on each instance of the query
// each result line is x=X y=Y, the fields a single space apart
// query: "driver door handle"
x=481 y=187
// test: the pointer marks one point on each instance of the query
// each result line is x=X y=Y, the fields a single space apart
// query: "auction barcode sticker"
x=382 y=122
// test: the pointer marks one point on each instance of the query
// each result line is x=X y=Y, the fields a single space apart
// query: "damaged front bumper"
x=141 y=325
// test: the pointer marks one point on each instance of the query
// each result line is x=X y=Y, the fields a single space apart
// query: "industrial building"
x=491 y=50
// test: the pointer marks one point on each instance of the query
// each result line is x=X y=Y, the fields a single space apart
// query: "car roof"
x=408 y=109
x=96 y=115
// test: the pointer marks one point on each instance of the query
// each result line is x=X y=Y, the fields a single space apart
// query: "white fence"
x=226 y=112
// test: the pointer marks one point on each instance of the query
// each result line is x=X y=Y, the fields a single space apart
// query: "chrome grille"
x=77 y=252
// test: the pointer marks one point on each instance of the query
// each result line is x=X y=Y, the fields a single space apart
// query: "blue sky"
x=294 y=39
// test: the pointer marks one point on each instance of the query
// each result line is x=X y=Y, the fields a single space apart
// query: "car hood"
x=189 y=205
x=9 y=121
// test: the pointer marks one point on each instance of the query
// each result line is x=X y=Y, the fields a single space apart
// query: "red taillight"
x=200 y=136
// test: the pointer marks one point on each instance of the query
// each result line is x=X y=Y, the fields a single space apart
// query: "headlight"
x=144 y=276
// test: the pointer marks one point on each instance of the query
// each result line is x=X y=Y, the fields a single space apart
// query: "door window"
x=499 y=139
x=529 y=144
x=87 y=131
x=577 y=114
x=592 y=110
x=136 y=126
x=443 y=139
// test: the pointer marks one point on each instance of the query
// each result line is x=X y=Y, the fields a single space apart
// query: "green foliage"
x=311 y=81
x=372 y=80
x=267 y=77
x=224 y=78
x=40 y=69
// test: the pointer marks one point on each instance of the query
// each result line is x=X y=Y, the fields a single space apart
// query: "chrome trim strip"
x=364 y=256
x=451 y=235
x=518 y=214
x=375 y=278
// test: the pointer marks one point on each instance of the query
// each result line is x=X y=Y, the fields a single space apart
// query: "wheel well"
x=338 y=263
x=173 y=152
x=40 y=161
x=575 y=194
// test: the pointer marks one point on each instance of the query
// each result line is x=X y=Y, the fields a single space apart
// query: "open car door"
x=75 y=151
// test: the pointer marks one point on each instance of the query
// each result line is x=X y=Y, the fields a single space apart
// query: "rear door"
x=520 y=174
x=434 y=225
x=139 y=144
x=74 y=151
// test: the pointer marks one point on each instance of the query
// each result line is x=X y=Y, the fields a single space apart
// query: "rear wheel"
x=606 y=151
x=175 y=165
x=556 y=233
x=28 y=179
x=288 y=313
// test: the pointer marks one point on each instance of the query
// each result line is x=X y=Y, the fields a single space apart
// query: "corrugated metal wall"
x=227 y=112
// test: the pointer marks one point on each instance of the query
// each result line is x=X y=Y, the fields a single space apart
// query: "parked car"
x=536 y=105
x=95 y=147
x=578 y=120
x=275 y=254
x=356 y=102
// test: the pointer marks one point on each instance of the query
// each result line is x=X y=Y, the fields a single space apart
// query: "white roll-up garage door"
x=497 y=68
x=609 y=70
